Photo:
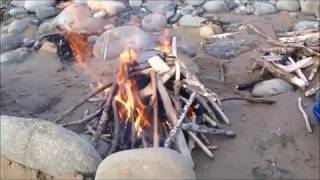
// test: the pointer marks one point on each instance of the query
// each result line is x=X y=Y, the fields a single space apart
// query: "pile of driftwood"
x=293 y=54
x=181 y=110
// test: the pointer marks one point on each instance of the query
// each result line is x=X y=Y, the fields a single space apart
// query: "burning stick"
x=80 y=103
x=305 y=116
x=116 y=128
x=154 y=102
x=173 y=131
x=201 y=145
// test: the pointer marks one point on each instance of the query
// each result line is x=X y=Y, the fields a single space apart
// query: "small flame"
x=78 y=45
x=131 y=107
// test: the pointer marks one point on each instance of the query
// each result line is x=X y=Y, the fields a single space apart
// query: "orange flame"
x=78 y=45
x=131 y=107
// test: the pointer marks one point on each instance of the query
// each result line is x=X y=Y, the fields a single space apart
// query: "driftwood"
x=314 y=70
x=282 y=74
x=115 y=128
x=312 y=90
x=303 y=63
x=204 y=129
x=298 y=71
x=305 y=116
x=298 y=33
x=201 y=145
x=154 y=101
x=249 y=99
x=300 y=38
x=205 y=105
x=278 y=50
x=210 y=121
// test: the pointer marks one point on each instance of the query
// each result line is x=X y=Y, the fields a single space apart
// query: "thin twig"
x=305 y=116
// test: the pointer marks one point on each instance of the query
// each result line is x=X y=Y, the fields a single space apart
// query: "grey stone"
x=261 y=8
x=187 y=49
x=110 y=7
x=46 y=28
x=18 y=26
x=78 y=18
x=244 y=10
x=227 y=48
x=32 y=5
x=17 y=12
x=186 y=10
x=10 y=42
x=92 y=39
x=148 y=163
x=42 y=145
x=191 y=21
x=271 y=87
x=101 y=147
x=14 y=56
x=28 y=43
x=121 y=38
x=158 y=6
x=310 y=7
x=17 y=3
x=303 y=25
x=44 y=12
x=195 y=2
x=215 y=6
x=154 y=22
x=288 y=5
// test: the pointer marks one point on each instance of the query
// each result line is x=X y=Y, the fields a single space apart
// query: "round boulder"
x=18 y=26
x=14 y=56
x=148 y=163
x=45 y=146
x=154 y=22
x=271 y=87
x=110 y=7
x=10 y=42
x=32 y=5
x=216 y=6
x=288 y=5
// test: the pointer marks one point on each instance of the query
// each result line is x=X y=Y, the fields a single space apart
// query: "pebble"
x=271 y=87
x=261 y=8
x=15 y=12
x=45 y=146
x=110 y=7
x=191 y=21
x=14 y=56
x=310 y=7
x=206 y=31
x=215 y=6
x=18 y=26
x=46 y=28
x=227 y=48
x=44 y=12
x=154 y=22
x=10 y=42
x=288 y=5
x=32 y=5
x=303 y=25
x=162 y=163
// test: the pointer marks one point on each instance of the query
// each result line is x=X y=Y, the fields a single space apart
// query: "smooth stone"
x=120 y=39
x=18 y=26
x=14 y=12
x=195 y=2
x=206 y=31
x=44 y=12
x=17 y=3
x=187 y=49
x=14 y=56
x=261 y=8
x=191 y=21
x=226 y=49
x=216 y=6
x=45 y=146
x=288 y=5
x=244 y=10
x=28 y=43
x=32 y=5
x=10 y=42
x=271 y=87
x=150 y=163
x=310 y=7
x=110 y=7
x=46 y=28
x=304 y=25
x=79 y=18
x=154 y=22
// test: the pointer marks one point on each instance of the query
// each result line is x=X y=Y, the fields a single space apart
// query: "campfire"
x=155 y=104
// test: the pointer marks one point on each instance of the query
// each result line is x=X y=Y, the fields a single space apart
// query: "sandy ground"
x=271 y=142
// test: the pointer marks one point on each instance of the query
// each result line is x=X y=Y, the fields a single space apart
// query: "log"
x=180 y=140
x=201 y=145
x=305 y=116
x=81 y=102
x=282 y=74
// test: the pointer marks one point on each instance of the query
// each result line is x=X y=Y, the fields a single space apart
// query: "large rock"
x=271 y=87
x=14 y=56
x=17 y=12
x=288 y=5
x=110 y=7
x=227 y=48
x=148 y=163
x=32 y=5
x=18 y=26
x=46 y=12
x=79 y=18
x=303 y=25
x=47 y=147
x=215 y=6
x=191 y=21
x=10 y=42
x=120 y=39
x=154 y=22
x=261 y=8
x=46 y=28
x=310 y=7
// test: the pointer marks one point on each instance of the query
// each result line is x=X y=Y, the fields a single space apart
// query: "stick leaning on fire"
x=160 y=72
